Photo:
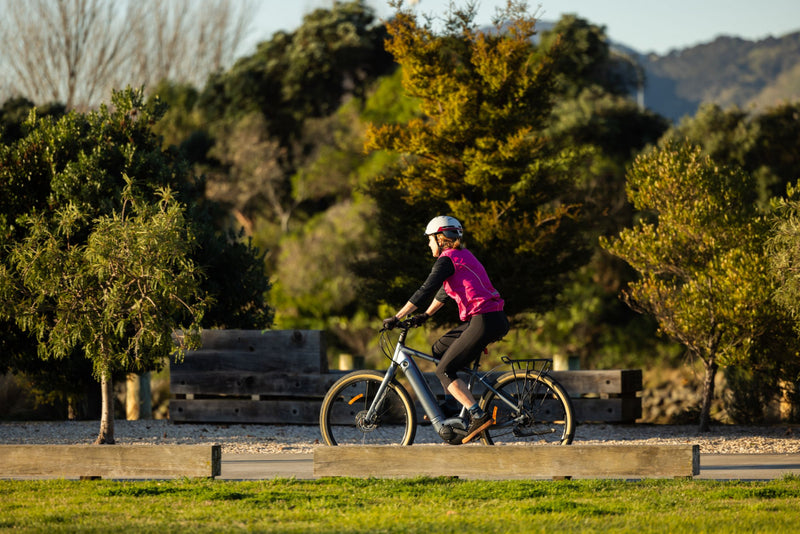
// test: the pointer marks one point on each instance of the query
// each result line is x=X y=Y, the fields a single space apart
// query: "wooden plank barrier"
x=606 y=395
x=509 y=462
x=110 y=461
x=281 y=376
x=609 y=396
x=250 y=376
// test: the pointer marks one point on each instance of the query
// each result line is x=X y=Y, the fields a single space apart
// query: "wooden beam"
x=625 y=382
x=302 y=351
x=110 y=461
x=609 y=381
x=608 y=396
x=275 y=383
x=619 y=410
x=509 y=462
x=292 y=411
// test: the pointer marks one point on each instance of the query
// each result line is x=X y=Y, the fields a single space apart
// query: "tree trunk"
x=708 y=394
x=106 y=436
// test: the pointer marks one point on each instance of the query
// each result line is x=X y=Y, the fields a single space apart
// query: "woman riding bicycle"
x=457 y=274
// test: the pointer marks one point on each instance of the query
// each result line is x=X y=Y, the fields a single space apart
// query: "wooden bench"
x=110 y=461
x=510 y=462
x=281 y=376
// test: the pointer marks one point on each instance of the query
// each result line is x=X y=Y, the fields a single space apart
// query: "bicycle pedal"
x=472 y=435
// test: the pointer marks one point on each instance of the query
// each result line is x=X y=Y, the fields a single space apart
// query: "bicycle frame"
x=403 y=358
x=524 y=402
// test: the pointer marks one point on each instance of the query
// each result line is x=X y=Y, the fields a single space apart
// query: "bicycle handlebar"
x=402 y=325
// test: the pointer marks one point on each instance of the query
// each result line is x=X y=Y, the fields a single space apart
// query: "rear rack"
x=540 y=366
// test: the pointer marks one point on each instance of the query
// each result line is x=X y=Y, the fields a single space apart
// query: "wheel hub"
x=363 y=424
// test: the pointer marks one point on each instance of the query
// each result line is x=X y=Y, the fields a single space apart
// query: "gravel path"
x=259 y=439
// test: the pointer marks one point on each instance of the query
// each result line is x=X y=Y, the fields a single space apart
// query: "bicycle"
x=373 y=407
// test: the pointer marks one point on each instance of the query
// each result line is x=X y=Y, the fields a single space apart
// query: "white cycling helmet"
x=446 y=225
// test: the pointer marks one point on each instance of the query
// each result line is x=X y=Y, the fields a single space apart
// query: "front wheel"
x=531 y=408
x=344 y=417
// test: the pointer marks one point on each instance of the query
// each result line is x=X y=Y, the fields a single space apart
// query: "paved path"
x=748 y=466
x=712 y=466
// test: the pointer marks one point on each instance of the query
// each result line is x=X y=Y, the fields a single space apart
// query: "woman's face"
x=433 y=245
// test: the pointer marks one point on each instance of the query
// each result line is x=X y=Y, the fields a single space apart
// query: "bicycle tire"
x=544 y=413
x=346 y=402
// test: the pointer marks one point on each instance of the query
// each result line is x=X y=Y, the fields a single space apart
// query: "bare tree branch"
x=76 y=51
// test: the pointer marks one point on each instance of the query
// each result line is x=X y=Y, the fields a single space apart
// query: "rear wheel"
x=343 y=418
x=540 y=411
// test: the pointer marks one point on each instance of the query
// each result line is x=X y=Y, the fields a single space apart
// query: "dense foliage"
x=525 y=136
x=699 y=251
x=478 y=152
x=64 y=186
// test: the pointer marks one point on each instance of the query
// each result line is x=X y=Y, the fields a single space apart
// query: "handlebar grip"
x=402 y=325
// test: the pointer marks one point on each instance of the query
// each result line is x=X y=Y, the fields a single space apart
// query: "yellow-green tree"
x=477 y=151
x=699 y=251
x=784 y=265
x=765 y=144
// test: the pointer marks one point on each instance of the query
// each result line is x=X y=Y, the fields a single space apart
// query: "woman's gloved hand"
x=390 y=323
x=418 y=320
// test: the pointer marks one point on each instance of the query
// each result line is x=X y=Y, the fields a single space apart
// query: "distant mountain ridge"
x=753 y=75
x=729 y=71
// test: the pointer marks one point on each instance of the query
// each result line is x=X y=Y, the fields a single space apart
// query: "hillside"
x=727 y=71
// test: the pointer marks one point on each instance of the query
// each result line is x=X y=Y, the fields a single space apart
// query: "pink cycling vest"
x=470 y=285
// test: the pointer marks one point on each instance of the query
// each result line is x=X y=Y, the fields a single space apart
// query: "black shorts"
x=463 y=345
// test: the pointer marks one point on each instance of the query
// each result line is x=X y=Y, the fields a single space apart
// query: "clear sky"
x=645 y=25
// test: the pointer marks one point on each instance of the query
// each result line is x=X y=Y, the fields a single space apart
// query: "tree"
x=479 y=153
x=281 y=149
x=585 y=59
x=698 y=248
x=118 y=297
x=250 y=179
x=335 y=53
x=315 y=280
x=80 y=160
x=764 y=144
x=589 y=322
x=82 y=157
x=185 y=41
x=265 y=111
x=14 y=112
x=784 y=266
x=785 y=255
x=76 y=51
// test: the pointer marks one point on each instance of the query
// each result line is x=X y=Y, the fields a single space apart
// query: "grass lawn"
x=426 y=505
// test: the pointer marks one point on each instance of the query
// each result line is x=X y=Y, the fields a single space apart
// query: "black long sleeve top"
x=433 y=285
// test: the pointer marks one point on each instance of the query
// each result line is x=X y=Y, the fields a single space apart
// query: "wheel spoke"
x=345 y=415
x=543 y=414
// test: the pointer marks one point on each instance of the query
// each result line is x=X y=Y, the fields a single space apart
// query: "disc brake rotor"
x=362 y=423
